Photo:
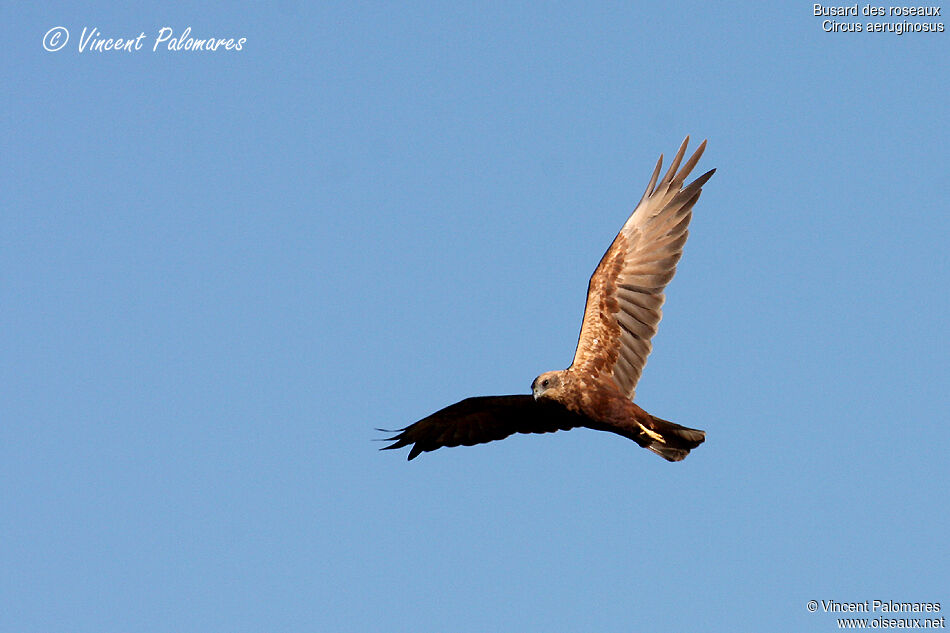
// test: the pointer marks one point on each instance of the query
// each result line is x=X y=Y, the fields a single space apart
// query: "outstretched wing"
x=484 y=419
x=626 y=289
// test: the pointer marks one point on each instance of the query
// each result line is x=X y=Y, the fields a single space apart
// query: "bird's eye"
x=544 y=383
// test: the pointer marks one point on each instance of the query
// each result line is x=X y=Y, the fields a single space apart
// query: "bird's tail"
x=669 y=440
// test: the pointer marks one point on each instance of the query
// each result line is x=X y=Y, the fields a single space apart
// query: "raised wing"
x=626 y=290
x=484 y=419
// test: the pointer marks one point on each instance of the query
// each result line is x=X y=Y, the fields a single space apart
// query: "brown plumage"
x=623 y=310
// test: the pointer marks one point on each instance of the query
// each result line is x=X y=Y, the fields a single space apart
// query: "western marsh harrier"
x=623 y=310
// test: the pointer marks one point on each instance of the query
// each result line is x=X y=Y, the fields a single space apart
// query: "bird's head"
x=547 y=384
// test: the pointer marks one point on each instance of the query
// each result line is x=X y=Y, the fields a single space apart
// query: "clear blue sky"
x=219 y=271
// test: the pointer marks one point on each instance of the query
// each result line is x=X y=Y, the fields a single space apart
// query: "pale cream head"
x=547 y=384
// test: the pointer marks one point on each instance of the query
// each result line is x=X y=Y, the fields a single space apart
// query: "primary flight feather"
x=623 y=310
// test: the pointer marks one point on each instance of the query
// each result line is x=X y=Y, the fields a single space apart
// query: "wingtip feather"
x=652 y=184
x=674 y=166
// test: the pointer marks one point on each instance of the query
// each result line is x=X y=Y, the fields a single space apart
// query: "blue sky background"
x=220 y=271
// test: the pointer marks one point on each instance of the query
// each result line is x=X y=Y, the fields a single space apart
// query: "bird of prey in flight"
x=623 y=310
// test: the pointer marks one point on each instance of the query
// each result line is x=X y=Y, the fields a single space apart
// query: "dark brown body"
x=605 y=408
